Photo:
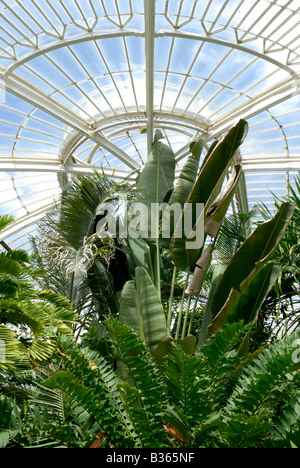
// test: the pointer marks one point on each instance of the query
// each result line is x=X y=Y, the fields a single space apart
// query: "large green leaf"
x=214 y=217
x=157 y=177
x=217 y=211
x=142 y=255
x=4 y=439
x=216 y=165
x=182 y=190
x=246 y=304
x=141 y=309
x=206 y=189
x=252 y=256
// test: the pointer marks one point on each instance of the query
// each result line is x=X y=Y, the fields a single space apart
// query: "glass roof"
x=85 y=83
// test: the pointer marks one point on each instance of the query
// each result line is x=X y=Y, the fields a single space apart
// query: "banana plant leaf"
x=251 y=257
x=143 y=255
x=141 y=309
x=205 y=191
x=217 y=211
x=181 y=191
x=214 y=218
x=201 y=270
x=158 y=175
x=246 y=304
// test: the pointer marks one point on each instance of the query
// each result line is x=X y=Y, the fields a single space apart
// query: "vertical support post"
x=149 y=54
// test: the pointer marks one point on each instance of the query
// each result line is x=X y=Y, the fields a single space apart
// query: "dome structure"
x=85 y=83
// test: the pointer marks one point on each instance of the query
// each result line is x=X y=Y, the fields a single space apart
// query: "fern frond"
x=146 y=377
x=187 y=385
x=287 y=425
x=91 y=383
x=221 y=354
x=259 y=388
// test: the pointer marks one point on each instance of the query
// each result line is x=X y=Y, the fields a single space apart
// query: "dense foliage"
x=133 y=342
x=214 y=399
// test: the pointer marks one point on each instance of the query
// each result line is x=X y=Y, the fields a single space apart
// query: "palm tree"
x=80 y=264
x=29 y=317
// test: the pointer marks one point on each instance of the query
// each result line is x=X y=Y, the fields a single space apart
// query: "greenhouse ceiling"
x=85 y=83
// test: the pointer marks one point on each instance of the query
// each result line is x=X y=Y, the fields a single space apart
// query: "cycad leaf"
x=254 y=401
x=145 y=375
x=13 y=354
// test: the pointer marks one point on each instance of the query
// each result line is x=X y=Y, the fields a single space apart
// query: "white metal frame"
x=264 y=30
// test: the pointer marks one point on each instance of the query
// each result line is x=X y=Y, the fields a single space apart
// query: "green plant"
x=216 y=399
x=281 y=308
x=28 y=315
x=80 y=264
x=79 y=258
x=236 y=292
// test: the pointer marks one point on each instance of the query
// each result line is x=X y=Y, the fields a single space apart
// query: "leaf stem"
x=181 y=307
x=187 y=313
x=171 y=299
x=158 y=278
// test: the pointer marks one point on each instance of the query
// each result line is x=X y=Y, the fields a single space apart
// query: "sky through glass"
x=85 y=83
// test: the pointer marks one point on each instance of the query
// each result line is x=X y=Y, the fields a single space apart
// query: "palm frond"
x=5 y=220
x=13 y=354
x=233 y=233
